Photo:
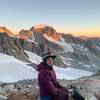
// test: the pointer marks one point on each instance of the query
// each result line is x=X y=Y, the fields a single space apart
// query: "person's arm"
x=62 y=87
x=50 y=88
x=59 y=86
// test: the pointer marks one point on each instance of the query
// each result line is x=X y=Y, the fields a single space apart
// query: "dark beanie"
x=47 y=55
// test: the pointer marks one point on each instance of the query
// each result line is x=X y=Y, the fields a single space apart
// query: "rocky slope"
x=78 y=52
x=11 y=46
x=81 y=53
x=89 y=87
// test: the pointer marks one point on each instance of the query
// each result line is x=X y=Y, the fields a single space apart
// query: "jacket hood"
x=42 y=66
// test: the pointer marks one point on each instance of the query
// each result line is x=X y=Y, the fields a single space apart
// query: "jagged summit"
x=25 y=34
x=40 y=26
x=43 y=28
x=5 y=30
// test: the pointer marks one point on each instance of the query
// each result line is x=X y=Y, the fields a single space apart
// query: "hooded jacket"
x=48 y=84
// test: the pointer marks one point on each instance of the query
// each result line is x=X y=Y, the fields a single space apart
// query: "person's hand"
x=65 y=89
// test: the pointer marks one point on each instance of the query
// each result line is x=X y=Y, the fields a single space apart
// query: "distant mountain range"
x=78 y=52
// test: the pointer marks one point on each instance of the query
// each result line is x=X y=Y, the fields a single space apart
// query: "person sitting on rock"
x=49 y=88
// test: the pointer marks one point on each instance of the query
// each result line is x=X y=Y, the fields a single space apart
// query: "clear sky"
x=80 y=17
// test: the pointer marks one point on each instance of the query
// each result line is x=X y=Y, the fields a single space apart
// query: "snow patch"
x=65 y=45
x=6 y=59
x=98 y=48
x=40 y=26
x=83 y=48
x=12 y=70
x=33 y=57
x=70 y=59
x=87 y=66
x=70 y=73
x=63 y=73
x=49 y=38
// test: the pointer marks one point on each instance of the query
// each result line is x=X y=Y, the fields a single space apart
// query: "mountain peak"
x=43 y=28
x=40 y=26
x=5 y=30
x=46 y=30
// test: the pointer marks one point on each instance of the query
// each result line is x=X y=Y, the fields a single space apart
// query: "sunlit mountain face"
x=5 y=30
x=79 y=52
x=39 y=27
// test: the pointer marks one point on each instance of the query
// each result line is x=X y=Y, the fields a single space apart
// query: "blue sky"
x=80 y=17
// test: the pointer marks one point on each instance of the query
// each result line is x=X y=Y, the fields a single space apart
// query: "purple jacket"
x=48 y=84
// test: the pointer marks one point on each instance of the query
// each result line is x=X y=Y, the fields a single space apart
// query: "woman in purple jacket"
x=49 y=88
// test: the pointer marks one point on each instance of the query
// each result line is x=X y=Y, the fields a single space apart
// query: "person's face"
x=50 y=61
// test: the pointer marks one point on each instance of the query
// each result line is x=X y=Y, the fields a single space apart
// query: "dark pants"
x=45 y=98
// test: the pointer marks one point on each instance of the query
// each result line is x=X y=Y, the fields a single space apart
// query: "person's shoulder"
x=44 y=74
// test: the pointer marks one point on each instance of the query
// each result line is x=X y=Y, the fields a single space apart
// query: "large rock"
x=89 y=87
x=11 y=46
x=25 y=94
